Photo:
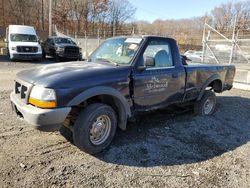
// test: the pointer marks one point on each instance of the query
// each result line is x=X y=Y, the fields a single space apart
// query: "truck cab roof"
x=22 y=29
x=143 y=37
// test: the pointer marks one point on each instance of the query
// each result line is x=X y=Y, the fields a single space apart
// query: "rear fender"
x=206 y=84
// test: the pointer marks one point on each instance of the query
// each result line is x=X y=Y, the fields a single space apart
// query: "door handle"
x=175 y=75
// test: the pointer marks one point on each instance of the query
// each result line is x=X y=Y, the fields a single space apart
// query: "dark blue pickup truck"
x=123 y=76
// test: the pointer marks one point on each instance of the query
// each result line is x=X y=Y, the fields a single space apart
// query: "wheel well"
x=112 y=101
x=216 y=85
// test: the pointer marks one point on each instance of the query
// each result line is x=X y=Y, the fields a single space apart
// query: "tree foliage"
x=91 y=16
x=114 y=17
x=189 y=31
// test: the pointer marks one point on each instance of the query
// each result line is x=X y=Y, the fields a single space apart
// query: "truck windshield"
x=117 y=50
x=23 y=38
x=63 y=41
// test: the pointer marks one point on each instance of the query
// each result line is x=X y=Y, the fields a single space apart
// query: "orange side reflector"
x=42 y=104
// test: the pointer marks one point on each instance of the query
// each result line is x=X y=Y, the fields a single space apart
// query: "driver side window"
x=160 y=52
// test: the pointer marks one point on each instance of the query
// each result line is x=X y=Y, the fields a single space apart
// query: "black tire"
x=8 y=53
x=82 y=136
x=12 y=59
x=67 y=133
x=56 y=58
x=43 y=54
x=201 y=106
x=38 y=60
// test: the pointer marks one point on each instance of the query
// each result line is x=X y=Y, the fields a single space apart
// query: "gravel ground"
x=162 y=149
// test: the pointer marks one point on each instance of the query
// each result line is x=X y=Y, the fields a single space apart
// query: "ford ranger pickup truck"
x=123 y=76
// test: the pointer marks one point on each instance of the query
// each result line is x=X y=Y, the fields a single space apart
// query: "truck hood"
x=62 y=45
x=23 y=43
x=69 y=74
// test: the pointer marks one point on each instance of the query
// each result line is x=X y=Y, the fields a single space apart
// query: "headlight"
x=39 y=48
x=13 y=48
x=42 y=97
x=59 y=49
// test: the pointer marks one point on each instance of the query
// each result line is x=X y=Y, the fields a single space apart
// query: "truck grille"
x=71 y=52
x=21 y=90
x=27 y=49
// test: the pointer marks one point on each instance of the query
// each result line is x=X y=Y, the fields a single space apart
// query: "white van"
x=23 y=43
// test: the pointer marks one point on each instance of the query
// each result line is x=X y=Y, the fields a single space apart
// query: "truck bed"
x=198 y=74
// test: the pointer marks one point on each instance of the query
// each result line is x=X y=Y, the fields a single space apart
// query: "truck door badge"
x=155 y=85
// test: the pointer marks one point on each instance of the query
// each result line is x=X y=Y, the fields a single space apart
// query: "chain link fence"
x=89 y=41
x=86 y=43
x=225 y=48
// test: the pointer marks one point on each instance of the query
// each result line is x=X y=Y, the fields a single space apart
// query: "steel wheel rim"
x=100 y=130
x=208 y=105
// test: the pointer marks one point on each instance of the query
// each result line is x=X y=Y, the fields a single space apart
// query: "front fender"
x=123 y=105
x=101 y=90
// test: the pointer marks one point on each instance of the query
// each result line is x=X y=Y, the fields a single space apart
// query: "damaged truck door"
x=162 y=82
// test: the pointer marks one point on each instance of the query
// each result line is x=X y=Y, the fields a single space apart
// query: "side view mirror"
x=148 y=62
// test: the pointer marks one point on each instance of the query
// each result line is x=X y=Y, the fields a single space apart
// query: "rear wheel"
x=43 y=54
x=95 y=128
x=207 y=104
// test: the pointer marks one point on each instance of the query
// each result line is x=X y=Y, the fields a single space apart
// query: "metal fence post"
x=75 y=36
x=203 y=42
x=233 y=42
x=98 y=35
x=85 y=44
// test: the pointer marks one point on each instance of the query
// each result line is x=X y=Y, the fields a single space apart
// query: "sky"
x=151 y=10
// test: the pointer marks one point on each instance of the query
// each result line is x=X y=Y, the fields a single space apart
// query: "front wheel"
x=8 y=53
x=206 y=106
x=56 y=58
x=95 y=128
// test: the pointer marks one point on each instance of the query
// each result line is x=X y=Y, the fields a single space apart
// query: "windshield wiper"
x=109 y=61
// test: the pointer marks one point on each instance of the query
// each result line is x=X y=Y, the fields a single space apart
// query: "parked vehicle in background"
x=246 y=55
x=223 y=47
x=61 y=48
x=196 y=56
x=123 y=76
x=23 y=43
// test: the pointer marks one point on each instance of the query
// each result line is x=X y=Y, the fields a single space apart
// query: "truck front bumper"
x=26 y=56
x=44 y=119
x=69 y=55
